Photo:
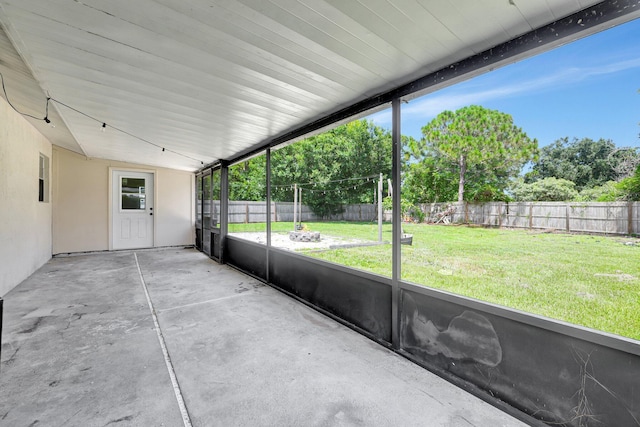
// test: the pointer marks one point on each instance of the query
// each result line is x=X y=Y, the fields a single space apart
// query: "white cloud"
x=470 y=92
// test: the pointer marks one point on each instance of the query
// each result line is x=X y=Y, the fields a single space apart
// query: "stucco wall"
x=175 y=212
x=25 y=223
x=81 y=203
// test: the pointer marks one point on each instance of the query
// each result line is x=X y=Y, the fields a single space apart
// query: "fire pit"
x=304 y=236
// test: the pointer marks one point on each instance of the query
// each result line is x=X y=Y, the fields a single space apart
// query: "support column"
x=397 y=224
x=268 y=177
x=224 y=209
x=295 y=206
x=380 y=210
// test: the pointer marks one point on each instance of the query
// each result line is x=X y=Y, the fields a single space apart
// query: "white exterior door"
x=132 y=210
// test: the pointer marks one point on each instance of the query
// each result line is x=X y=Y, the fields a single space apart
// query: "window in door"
x=132 y=193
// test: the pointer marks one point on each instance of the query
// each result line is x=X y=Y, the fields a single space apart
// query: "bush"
x=417 y=214
x=406 y=208
x=607 y=192
x=487 y=193
x=630 y=187
x=545 y=190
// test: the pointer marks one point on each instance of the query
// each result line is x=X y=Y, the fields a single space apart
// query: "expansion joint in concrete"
x=167 y=359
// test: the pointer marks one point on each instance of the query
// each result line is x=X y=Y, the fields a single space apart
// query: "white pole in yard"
x=300 y=201
x=295 y=206
x=380 y=209
x=389 y=188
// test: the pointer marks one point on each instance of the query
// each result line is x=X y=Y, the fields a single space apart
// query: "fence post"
x=530 y=215
x=500 y=214
x=466 y=212
x=568 y=227
x=246 y=212
x=630 y=218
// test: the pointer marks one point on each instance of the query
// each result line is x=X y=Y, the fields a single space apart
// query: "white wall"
x=25 y=223
x=81 y=203
x=175 y=208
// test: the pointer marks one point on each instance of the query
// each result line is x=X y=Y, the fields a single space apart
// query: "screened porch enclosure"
x=532 y=367
x=204 y=107
x=535 y=367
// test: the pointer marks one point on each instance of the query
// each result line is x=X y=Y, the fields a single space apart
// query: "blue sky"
x=585 y=89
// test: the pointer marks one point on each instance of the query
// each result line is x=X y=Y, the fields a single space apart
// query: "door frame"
x=112 y=171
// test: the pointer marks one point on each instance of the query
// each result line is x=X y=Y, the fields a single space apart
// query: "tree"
x=586 y=162
x=624 y=161
x=327 y=165
x=247 y=180
x=481 y=142
x=545 y=190
x=428 y=181
x=428 y=177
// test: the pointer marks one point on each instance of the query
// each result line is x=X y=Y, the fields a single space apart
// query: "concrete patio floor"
x=80 y=348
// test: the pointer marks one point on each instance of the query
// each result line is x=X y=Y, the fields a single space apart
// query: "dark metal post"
x=1 y=314
x=268 y=177
x=224 y=209
x=198 y=193
x=397 y=224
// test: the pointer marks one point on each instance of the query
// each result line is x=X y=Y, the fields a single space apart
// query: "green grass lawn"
x=592 y=281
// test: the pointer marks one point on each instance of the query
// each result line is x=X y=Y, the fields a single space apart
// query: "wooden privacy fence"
x=249 y=211
x=588 y=217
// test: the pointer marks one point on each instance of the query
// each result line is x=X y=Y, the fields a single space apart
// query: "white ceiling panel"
x=207 y=80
